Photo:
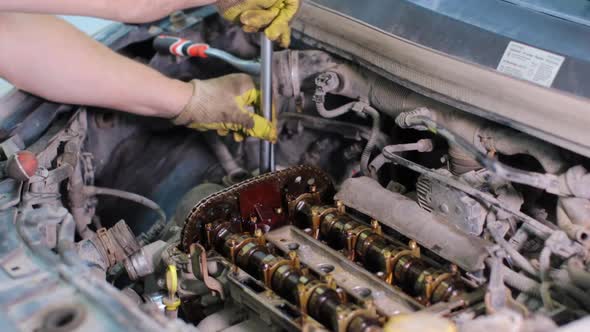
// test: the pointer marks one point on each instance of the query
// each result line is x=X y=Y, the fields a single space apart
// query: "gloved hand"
x=220 y=104
x=272 y=15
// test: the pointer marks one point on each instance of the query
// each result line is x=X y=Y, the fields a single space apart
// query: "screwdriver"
x=184 y=47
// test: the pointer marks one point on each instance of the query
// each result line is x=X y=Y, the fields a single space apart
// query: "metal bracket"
x=201 y=270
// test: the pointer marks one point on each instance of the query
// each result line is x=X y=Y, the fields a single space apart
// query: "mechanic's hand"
x=220 y=104
x=274 y=16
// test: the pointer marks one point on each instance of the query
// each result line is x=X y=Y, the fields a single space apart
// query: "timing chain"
x=191 y=222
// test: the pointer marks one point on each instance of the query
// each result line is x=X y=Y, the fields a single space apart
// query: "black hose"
x=330 y=114
x=578 y=274
x=328 y=82
x=372 y=142
x=155 y=229
x=521 y=282
x=319 y=99
x=527 y=285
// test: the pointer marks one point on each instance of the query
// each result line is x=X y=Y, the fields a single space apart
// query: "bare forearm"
x=130 y=11
x=48 y=57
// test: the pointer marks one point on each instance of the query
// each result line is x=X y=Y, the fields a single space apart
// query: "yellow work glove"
x=221 y=104
x=274 y=16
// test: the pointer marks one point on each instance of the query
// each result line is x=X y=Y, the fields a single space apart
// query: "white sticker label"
x=531 y=64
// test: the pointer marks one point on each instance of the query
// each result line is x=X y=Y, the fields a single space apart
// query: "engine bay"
x=390 y=210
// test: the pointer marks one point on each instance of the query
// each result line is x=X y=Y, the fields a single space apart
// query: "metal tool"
x=267 y=157
x=184 y=47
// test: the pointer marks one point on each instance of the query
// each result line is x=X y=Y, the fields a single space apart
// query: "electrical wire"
x=155 y=229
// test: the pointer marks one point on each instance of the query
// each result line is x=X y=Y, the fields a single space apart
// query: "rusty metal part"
x=115 y=244
x=350 y=277
x=225 y=205
x=201 y=270
x=314 y=297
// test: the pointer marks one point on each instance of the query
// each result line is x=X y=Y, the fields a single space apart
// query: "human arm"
x=272 y=16
x=129 y=11
x=48 y=57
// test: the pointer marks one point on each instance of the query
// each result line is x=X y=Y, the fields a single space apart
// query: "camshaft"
x=399 y=265
x=288 y=279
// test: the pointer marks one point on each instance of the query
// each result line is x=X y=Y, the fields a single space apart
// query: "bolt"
x=232 y=252
x=329 y=280
x=259 y=235
x=376 y=227
x=369 y=303
x=266 y=270
x=428 y=280
x=415 y=248
x=209 y=233
x=340 y=206
x=178 y=19
x=161 y=283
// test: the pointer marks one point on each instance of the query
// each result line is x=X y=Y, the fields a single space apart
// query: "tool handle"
x=180 y=47
x=184 y=47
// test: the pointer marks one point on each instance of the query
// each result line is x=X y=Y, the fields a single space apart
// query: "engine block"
x=241 y=225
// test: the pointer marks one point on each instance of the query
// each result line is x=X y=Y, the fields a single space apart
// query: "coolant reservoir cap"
x=419 y=322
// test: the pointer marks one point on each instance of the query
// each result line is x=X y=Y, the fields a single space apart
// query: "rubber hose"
x=545 y=263
x=518 y=259
x=577 y=294
x=335 y=112
x=372 y=142
x=229 y=164
x=320 y=98
x=155 y=229
x=521 y=282
x=531 y=287
x=578 y=274
x=386 y=96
